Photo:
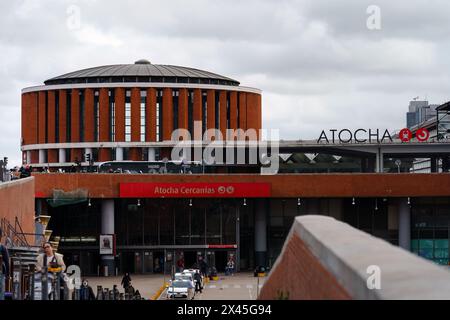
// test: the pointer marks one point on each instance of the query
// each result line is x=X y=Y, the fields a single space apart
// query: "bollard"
x=66 y=292
x=99 y=293
x=56 y=286
x=111 y=295
x=77 y=294
x=116 y=292
x=17 y=277
x=31 y=282
x=44 y=284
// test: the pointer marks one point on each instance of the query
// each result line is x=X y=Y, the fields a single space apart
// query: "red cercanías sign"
x=405 y=135
x=194 y=190
x=422 y=134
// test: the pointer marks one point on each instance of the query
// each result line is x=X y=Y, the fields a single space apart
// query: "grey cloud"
x=316 y=62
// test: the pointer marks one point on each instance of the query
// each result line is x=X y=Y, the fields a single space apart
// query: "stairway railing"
x=14 y=235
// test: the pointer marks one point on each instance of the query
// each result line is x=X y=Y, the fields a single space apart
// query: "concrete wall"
x=300 y=185
x=326 y=259
x=17 y=200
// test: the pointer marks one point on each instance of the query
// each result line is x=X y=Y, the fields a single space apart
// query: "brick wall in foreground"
x=323 y=258
x=17 y=200
x=300 y=276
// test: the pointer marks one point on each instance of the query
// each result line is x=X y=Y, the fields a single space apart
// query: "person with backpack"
x=4 y=263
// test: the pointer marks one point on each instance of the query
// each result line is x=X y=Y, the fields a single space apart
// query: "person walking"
x=126 y=281
x=55 y=265
x=198 y=282
x=50 y=259
x=203 y=267
x=230 y=267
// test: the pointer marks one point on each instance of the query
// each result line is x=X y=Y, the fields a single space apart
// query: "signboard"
x=194 y=190
x=370 y=136
x=107 y=244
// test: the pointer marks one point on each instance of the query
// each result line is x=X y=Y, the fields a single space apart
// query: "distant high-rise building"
x=419 y=111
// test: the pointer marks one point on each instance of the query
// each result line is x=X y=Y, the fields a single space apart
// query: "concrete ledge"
x=15 y=183
x=334 y=262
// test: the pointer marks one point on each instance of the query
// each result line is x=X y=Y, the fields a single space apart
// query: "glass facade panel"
x=142 y=121
x=197 y=225
x=166 y=222
x=77 y=225
x=213 y=225
x=430 y=229
x=151 y=223
x=182 y=224
x=128 y=116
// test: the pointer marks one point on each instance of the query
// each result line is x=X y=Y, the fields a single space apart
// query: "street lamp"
x=398 y=163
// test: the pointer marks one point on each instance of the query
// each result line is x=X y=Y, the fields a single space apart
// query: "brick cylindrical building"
x=128 y=112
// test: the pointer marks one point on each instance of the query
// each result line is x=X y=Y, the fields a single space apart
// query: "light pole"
x=398 y=163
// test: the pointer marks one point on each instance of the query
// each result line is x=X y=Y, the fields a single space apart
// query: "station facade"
x=142 y=222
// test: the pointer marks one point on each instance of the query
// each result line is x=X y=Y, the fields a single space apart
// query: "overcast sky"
x=318 y=64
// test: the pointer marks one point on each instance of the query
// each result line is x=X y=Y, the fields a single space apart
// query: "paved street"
x=241 y=286
x=147 y=285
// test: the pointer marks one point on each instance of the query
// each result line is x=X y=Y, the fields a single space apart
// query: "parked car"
x=180 y=289
x=192 y=272
x=185 y=276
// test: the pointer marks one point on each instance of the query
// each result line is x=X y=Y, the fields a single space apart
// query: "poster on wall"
x=106 y=244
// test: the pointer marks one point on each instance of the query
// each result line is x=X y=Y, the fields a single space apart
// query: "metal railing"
x=15 y=237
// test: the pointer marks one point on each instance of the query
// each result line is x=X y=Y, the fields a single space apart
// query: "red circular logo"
x=422 y=134
x=405 y=135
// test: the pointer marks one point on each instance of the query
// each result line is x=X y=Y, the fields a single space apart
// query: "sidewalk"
x=146 y=284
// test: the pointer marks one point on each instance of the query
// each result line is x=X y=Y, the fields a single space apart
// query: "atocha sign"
x=194 y=190
x=370 y=136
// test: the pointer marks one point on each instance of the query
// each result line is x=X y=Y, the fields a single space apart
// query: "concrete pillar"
x=119 y=154
x=87 y=151
x=404 y=224
x=28 y=157
x=261 y=233
x=379 y=159
x=151 y=154
x=107 y=227
x=62 y=155
x=42 y=158
x=433 y=164
x=38 y=227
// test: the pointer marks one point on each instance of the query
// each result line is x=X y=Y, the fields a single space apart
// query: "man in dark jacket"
x=198 y=282
x=203 y=267
x=4 y=257
x=126 y=281
x=86 y=292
